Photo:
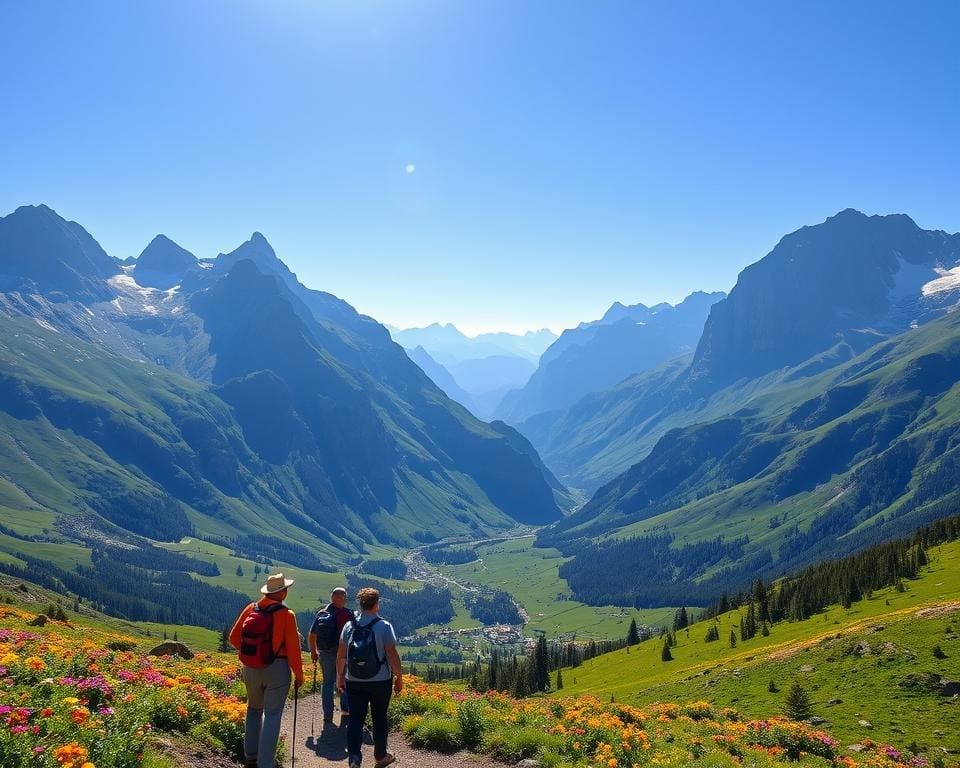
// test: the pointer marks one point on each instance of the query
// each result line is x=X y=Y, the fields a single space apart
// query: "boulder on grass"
x=172 y=648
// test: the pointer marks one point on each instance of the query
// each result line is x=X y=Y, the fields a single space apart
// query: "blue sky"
x=563 y=154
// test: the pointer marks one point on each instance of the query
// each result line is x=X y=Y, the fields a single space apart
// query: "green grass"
x=867 y=685
x=531 y=576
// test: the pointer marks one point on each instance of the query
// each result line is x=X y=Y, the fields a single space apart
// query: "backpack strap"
x=370 y=627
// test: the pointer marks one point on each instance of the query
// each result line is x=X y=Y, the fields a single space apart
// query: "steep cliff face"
x=848 y=281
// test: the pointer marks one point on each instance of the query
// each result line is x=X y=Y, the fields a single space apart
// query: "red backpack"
x=256 y=637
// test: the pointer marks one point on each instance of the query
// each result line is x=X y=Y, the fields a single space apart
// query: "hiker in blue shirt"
x=368 y=669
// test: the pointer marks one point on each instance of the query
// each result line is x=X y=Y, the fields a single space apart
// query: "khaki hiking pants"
x=266 y=694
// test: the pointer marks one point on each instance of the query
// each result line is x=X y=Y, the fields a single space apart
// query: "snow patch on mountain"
x=947 y=280
x=133 y=298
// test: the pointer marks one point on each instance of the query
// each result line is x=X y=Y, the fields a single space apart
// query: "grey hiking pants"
x=266 y=694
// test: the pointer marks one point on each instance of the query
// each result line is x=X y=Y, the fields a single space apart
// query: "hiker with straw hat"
x=266 y=637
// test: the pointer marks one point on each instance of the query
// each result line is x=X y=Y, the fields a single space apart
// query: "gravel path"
x=327 y=746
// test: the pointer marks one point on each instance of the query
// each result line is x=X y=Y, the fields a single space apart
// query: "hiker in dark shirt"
x=368 y=668
x=324 y=640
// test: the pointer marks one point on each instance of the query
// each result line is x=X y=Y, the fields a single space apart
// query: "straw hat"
x=276 y=583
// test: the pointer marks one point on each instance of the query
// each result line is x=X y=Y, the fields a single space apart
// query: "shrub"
x=440 y=734
x=513 y=744
x=698 y=710
x=472 y=722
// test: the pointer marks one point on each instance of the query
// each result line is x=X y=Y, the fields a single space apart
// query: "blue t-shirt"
x=384 y=637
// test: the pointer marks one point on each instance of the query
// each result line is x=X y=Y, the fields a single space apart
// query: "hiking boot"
x=354 y=764
x=384 y=761
x=250 y=762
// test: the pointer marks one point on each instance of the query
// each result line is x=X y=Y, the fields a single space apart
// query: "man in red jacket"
x=267 y=686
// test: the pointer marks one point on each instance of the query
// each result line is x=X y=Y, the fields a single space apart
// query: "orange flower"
x=79 y=715
x=72 y=755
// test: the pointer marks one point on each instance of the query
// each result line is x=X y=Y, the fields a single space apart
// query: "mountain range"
x=482 y=368
x=449 y=345
x=597 y=355
x=818 y=413
x=824 y=294
x=811 y=411
x=221 y=397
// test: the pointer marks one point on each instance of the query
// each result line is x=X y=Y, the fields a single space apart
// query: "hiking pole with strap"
x=293 y=748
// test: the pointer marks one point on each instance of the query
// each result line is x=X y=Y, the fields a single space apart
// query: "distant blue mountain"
x=163 y=264
x=596 y=355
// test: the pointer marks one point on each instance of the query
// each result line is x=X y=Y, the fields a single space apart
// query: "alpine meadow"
x=594 y=402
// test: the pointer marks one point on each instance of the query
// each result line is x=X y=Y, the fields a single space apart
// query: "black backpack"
x=325 y=628
x=362 y=657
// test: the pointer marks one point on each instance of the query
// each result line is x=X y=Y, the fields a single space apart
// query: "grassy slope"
x=900 y=390
x=867 y=684
x=33 y=598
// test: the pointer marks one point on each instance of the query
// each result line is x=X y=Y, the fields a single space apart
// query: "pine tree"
x=733 y=638
x=559 y=679
x=772 y=687
x=633 y=634
x=239 y=570
x=224 y=645
x=665 y=654
x=797 y=706
x=492 y=671
x=541 y=660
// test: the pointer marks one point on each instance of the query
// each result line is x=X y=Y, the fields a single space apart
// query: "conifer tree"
x=665 y=654
x=541 y=664
x=733 y=638
x=224 y=645
x=633 y=634
x=559 y=679
x=797 y=706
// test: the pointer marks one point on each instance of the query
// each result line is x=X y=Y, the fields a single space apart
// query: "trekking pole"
x=293 y=748
x=313 y=717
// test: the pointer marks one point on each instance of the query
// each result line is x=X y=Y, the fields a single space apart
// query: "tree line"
x=408 y=610
x=659 y=574
x=524 y=675
x=165 y=597
x=844 y=581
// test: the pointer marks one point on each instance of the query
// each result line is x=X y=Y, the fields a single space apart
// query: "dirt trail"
x=326 y=746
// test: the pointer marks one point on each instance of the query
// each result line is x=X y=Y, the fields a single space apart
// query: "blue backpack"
x=363 y=660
